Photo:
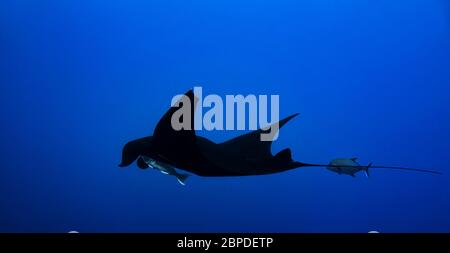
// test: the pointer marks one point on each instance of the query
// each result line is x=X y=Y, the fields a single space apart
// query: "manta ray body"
x=244 y=155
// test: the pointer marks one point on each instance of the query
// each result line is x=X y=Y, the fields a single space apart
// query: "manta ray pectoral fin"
x=181 y=142
x=251 y=143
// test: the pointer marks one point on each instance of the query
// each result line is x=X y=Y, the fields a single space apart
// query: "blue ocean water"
x=78 y=79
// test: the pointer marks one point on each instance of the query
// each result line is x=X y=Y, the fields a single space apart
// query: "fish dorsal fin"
x=250 y=144
x=170 y=141
x=354 y=159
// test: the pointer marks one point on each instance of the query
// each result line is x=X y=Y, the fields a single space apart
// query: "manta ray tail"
x=366 y=168
x=403 y=168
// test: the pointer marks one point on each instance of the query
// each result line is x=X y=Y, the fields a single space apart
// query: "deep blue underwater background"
x=78 y=79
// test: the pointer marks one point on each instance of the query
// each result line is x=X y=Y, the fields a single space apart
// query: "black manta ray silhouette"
x=245 y=155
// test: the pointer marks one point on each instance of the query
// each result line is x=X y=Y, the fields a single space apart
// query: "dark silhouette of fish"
x=245 y=155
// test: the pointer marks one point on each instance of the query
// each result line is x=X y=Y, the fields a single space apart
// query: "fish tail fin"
x=182 y=178
x=366 y=169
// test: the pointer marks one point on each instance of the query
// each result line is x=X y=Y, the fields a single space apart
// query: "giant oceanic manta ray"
x=245 y=155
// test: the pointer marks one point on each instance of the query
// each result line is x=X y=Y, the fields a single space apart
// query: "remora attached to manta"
x=165 y=169
x=244 y=155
